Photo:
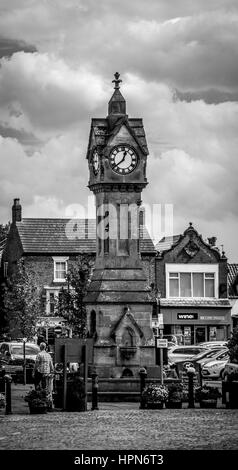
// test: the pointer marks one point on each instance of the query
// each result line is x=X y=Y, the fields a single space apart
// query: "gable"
x=191 y=248
x=126 y=321
x=122 y=135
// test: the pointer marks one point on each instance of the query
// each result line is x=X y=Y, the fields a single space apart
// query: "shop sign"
x=187 y=316
x=161 y=343
x=214 y=317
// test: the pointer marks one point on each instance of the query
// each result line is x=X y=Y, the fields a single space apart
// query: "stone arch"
x=127 y=373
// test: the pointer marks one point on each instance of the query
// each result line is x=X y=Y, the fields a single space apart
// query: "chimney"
x=212 y=241
x=16 y=211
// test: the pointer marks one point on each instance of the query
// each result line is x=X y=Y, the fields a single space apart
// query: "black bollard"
x=8 y=381
x=94 y=390
x=143 y=375
x=191 y=373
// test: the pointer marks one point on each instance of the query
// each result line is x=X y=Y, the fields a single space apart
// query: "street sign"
x=161 y=321
x=161 y=343
x=58 y=330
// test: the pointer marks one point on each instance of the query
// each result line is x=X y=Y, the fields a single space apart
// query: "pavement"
x=121 y=426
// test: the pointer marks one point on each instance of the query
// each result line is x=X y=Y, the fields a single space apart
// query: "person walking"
x=43 y=367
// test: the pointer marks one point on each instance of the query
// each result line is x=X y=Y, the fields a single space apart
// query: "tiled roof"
x=166 y=242
x=99 y=127
x=232 y=274
x=65 y=236
x=173 y=302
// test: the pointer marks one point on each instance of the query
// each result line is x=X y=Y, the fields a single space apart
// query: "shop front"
x=192 y=326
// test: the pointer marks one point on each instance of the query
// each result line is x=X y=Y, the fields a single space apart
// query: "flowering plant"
x=2 y=401
x=38 y=398
x=175 y=392
x=207 y=393
x=155 y=393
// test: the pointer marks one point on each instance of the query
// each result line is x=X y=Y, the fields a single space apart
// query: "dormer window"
x=60 y=268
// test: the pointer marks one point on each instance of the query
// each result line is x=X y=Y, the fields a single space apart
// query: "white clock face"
x=123 y=159
x=95 y=162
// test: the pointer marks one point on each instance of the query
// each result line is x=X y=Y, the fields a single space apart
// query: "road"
x=122 y=426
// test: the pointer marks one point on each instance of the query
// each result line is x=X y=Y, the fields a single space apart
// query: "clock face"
x=95 y=162
x=123 y=159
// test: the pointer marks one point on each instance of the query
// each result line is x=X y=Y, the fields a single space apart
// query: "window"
x=192 y=281
x=60 y=269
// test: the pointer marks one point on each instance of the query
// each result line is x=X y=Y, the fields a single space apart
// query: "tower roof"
x=117 y=103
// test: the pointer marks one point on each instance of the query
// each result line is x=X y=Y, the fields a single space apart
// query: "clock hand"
x=122 y=160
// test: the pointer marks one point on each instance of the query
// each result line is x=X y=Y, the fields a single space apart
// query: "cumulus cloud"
x=48 y=91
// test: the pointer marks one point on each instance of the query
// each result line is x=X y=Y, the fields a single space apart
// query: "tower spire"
x=117 y=104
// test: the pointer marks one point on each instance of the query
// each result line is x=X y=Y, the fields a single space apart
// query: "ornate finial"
x=191 y=224
x=117 y=81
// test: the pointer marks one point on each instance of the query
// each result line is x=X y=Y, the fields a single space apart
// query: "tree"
x=22 y=302
x=232 y=345
x=4 y=229
x=70 y=304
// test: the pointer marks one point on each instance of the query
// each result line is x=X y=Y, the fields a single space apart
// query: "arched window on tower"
x=129 y=337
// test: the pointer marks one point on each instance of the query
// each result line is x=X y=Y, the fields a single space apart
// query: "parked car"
x=213 y=344
x=205 y=356
x=215 y=369
x=179 y=353
x=11 y=353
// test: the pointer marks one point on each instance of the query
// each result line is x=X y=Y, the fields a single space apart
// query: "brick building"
x=191 y=276
x=233 y=292
x=49 y=246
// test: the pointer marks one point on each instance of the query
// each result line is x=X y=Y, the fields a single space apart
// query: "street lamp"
x=24 y=360
x=159 y=315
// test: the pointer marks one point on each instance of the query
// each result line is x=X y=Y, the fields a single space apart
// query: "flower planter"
x=155 y=405
x=174 y=404
x=208 y=403
x=37 y=410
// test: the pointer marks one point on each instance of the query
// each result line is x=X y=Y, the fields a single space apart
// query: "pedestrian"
x=43 y=367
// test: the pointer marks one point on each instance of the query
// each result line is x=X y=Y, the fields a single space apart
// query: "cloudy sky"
x=179 y=63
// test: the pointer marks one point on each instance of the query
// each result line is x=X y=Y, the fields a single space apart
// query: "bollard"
x=191 y=373
x=94 y=390
x=143 y=374
x=8 y=392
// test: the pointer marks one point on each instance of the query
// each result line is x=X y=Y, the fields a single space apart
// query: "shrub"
x=175 y=391
x=207 y=393
x=2 y=401
x=155 y=393
x=38 y=398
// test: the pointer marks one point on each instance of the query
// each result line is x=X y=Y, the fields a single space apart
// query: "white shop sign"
x=162 y=343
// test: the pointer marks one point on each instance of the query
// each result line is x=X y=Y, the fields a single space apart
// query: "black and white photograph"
x=118 y=232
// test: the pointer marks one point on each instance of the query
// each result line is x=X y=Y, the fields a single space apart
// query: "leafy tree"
x=232 y=345
x=4 y=229
x=22 y=302
x=70 y=304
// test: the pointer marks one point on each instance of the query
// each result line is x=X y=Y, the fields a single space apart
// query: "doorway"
x=200 y=334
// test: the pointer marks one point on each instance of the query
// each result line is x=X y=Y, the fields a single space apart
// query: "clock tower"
x=119 y=305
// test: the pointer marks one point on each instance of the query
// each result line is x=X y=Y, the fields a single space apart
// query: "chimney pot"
x=16 y=211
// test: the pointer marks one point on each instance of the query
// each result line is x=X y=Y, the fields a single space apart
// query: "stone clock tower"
x=119 y=306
